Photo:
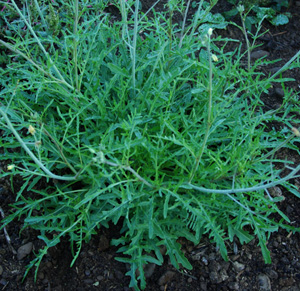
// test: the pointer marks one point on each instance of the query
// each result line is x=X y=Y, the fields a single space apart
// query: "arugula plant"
x=142 y=123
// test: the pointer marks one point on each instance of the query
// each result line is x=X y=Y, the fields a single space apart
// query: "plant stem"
x=128 y=168
x=183 y=23
x=10 y=47
x=75 y=44
x=31 y=154
x=247 y=41
x=291 y=175
x=41 y=14
x=133 y=50
x=38 y=42
x=208 y=125
x=285 y=67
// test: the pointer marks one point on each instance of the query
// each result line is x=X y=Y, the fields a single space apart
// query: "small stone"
x=203 y=286
x=45 y=281
x=103 y=243
x=286 y=282
x=49 y=265
x=163 y=250
x=289 y=210
x=264 y=283
x=223 y=275
x=149 y=270
x=87 y=272
x=212 y=256
x=234 y=286
x=24 y=250
x=225 y=265
x=41 y=275
x=274 y=70
x=238 y=266
x=190 y=280
x=205 y=261
x=214 y=277
x=280 y=93
x=91 y=253
x=259 y=54
x=215 y=266
x=235 y=257
x=88 y=281
x=166 y=277
x=273 y=274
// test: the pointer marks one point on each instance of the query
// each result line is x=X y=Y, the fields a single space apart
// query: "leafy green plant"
x=129 y=122
x=260 y=10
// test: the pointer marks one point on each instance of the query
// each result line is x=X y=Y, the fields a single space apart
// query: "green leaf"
x=117 y=70
x=279 y=19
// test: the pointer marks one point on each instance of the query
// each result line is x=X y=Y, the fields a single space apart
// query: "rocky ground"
x=96 y=269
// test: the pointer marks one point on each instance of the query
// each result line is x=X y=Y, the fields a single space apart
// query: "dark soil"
x=96 y=268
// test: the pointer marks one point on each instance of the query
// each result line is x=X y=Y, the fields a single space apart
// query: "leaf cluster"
x=259 y=10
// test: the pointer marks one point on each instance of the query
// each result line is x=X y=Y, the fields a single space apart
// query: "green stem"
x=31 y=154
x=128 y=168
x=247 y=42
x=10 y=47
x=133 y=51
x=39 y=43
x=41 y=14
x=184 y=22
x=209 y=121
x=291 y=175
x=75 y=44
x=285 y=67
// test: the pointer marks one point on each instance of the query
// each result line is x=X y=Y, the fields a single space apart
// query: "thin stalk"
x=209 y=109
x=170 y=28
x=60 y=151
x=247 y=41
x=39 y=43
x=275 y=150
x=291 y=175
x=75 y=44
x=31 y=154
x=133 y=49
x=125 y=24
x=128 y=168
x=41 y=14
x=285 y=67
x=10 y=47
x=183 y=23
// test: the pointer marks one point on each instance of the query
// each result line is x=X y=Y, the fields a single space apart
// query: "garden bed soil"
x=96 y=267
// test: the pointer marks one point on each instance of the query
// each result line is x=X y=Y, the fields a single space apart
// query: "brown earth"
x=96 y=268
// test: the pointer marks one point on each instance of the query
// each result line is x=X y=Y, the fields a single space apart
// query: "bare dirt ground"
x=96 y=269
